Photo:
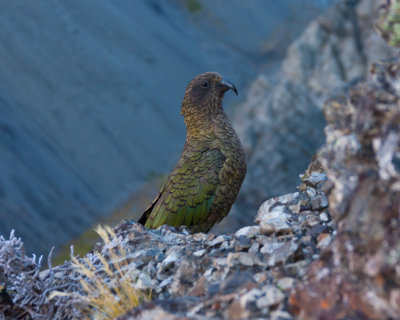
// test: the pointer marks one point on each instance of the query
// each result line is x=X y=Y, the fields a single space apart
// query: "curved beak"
x=229 y=85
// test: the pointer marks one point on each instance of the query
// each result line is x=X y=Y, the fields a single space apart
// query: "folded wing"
x=188 y=193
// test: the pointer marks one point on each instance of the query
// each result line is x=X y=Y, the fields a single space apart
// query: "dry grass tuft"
x=108 y=289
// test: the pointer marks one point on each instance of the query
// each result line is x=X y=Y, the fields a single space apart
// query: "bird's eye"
x=205 y=84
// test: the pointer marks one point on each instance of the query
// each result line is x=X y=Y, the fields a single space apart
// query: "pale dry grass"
x=108 y=291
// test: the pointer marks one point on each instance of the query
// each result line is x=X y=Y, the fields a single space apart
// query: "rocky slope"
x=90 y=96
x=244 y=275
x=281 y=121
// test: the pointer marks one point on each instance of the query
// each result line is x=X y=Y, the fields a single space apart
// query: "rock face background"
x=281 y=122
x=90 y=95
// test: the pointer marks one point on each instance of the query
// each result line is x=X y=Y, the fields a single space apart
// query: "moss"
x=389 y=23
x=194 y=6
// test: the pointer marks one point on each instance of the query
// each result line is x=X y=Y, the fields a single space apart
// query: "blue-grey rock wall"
x=90 y=96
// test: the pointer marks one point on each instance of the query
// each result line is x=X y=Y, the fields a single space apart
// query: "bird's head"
x=204 y=93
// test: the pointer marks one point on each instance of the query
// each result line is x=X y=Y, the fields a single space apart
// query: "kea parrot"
x=202 y=187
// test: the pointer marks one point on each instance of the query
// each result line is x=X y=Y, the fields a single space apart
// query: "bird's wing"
x=188 y=193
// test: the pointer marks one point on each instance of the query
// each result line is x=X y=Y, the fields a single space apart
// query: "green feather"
x=181 y=215
x=160 y=216
x=189 y=216
x=196 y=214
x=188 y=194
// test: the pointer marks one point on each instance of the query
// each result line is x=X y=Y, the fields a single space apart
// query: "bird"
x=204 y=184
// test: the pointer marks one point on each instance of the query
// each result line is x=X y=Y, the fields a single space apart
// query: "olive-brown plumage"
x=202 y=187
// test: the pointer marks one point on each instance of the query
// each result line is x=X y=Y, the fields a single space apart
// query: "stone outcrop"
x=281 y=122
x=248 y=274
x=358 y=275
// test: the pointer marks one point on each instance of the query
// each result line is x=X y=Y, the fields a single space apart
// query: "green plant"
x=389 y=22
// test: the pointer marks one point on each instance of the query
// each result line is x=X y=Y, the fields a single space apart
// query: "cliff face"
x=90 y=97
x=358 y=275
x=281 y=122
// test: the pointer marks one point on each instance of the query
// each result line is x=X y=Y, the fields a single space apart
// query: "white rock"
x=250 y=296
x=249 y=231
x=199 y=253
x=324 y=216
x=273 y=296
x=270 y=247
x=280 y=315
x=285 y=283
x=144 y=282
x=316 y=177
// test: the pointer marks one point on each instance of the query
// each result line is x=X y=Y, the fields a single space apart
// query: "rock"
x=249 y=231
x=237 y=280
x=199 y=253
x=319 y=202
x=274 y=220
x=278 y=226
x=324 y=239
x=281 y=121
x=324 y=216
x=250 y=297
x=144 y=282
x=296 y=269
x=243 y=243
x=156 y=313
x=272 y=297
x=165 y=282
x=311 y=192
x=168 y=264
x=254 y=247
x=312 y=221
x=218 y=240
x=198 y=288
x=249 y=259
x=237 y=312
x=270 y=247
x=285 y=283
x=280 y=315
x=267 y=228
x=315 y=178
x=283 y=254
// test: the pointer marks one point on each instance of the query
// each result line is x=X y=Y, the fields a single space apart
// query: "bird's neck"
x=199 y=120
x=198 y=126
